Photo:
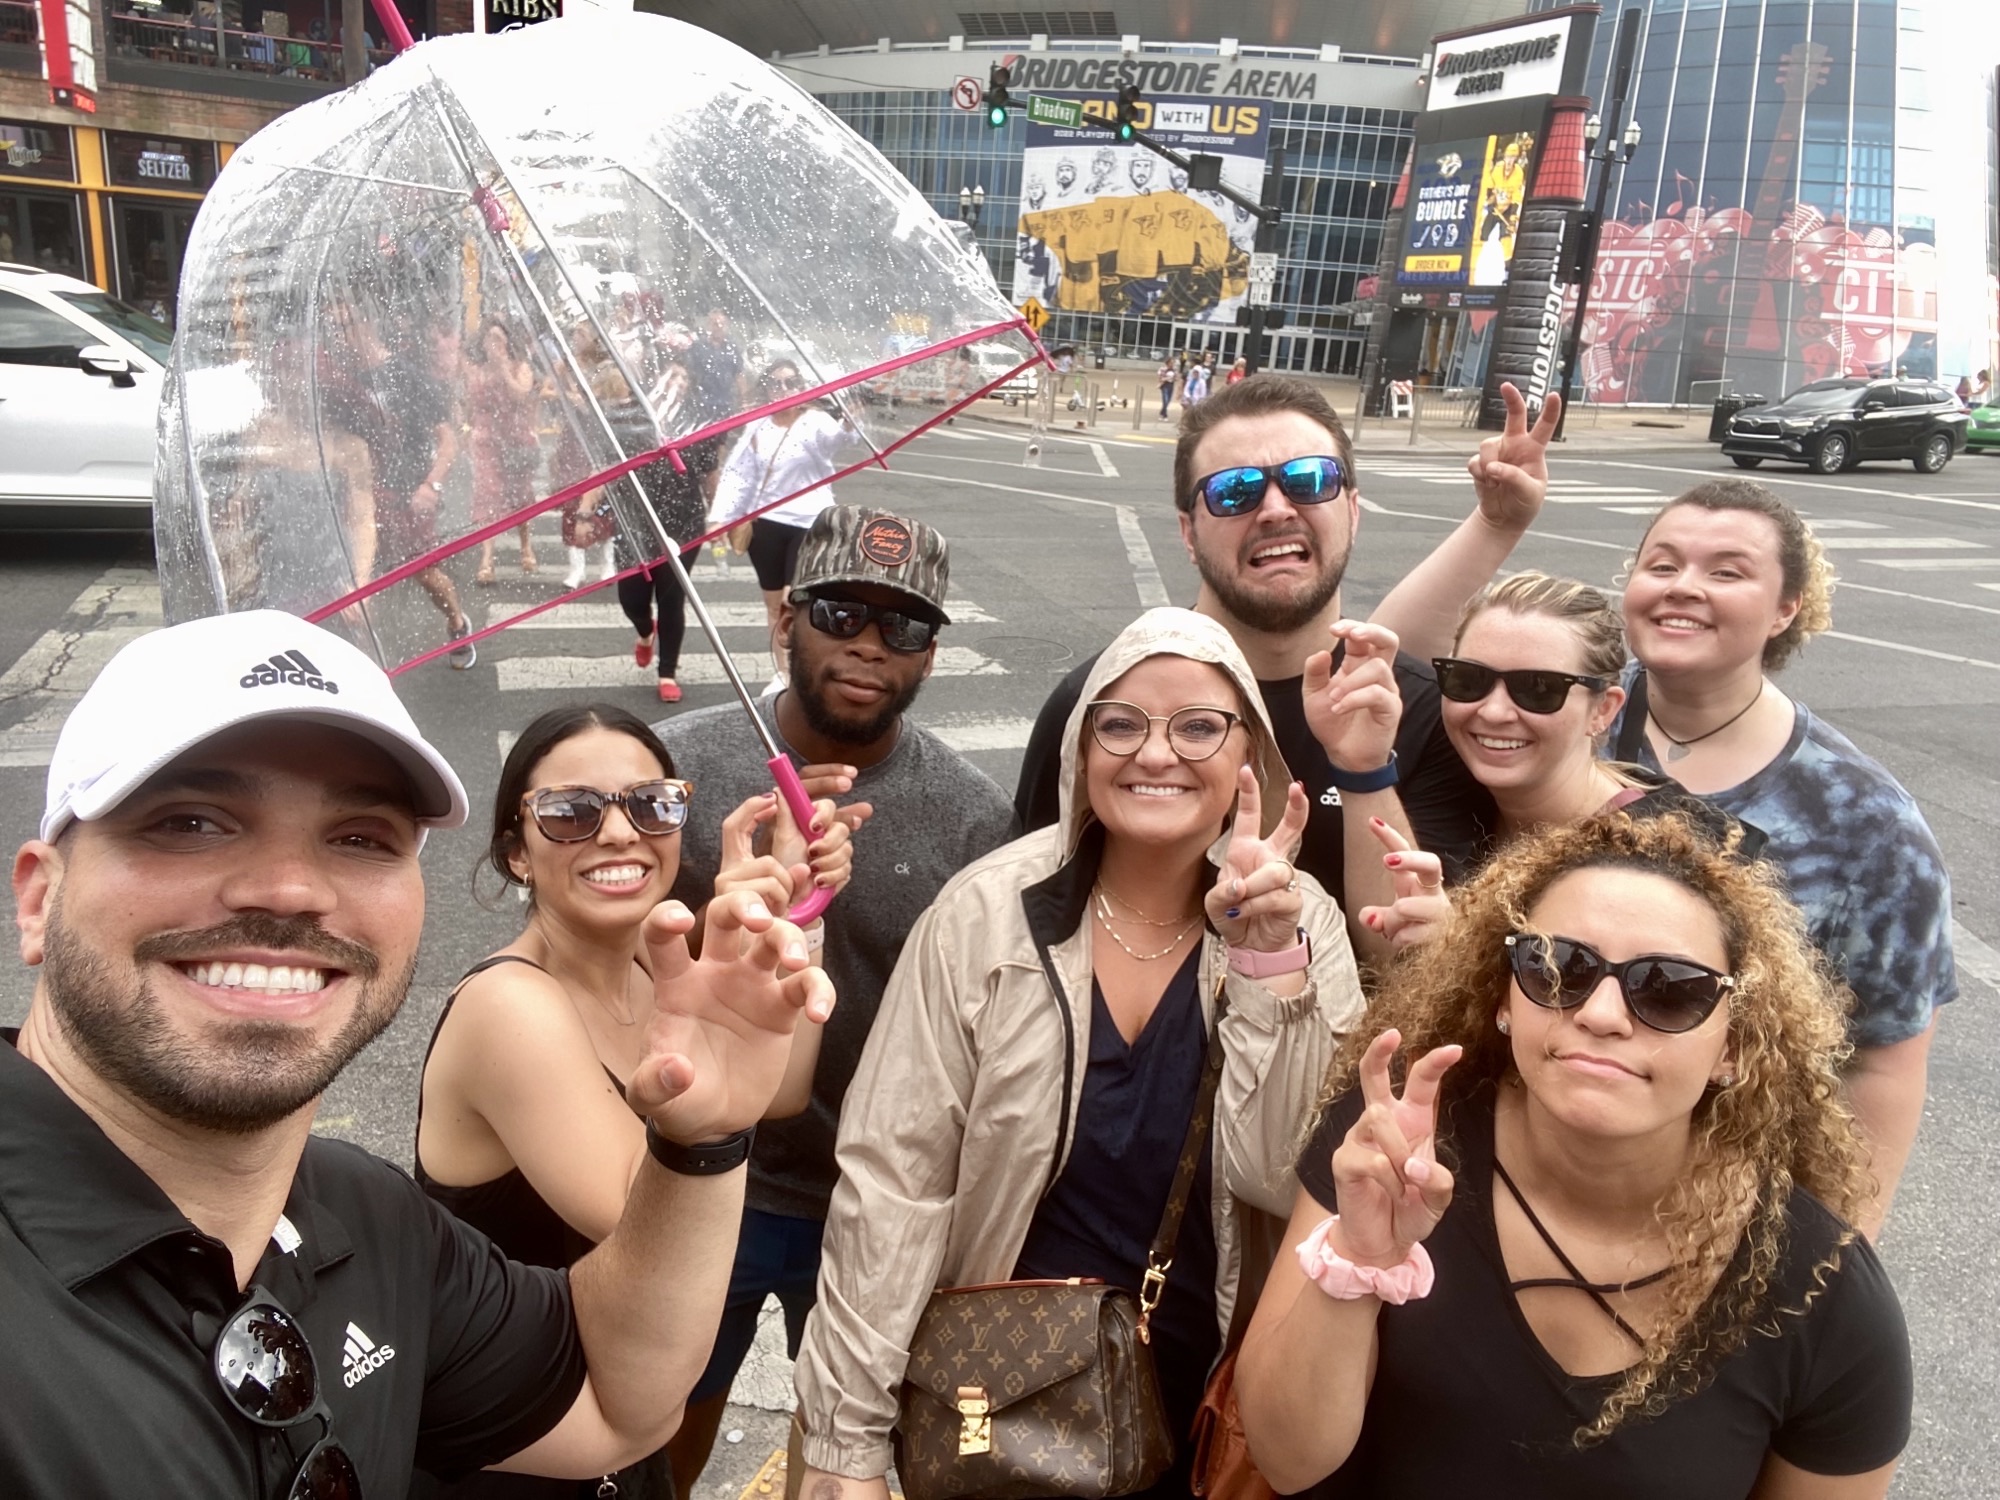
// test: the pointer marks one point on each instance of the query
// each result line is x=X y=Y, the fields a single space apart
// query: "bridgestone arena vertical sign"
x=1113 y=229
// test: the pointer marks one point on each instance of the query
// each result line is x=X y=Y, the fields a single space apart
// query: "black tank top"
x=506 y=1210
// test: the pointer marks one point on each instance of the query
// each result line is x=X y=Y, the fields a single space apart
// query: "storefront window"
x=31 y=150
x=158 y=162
x=151 y=238
x=41 y=229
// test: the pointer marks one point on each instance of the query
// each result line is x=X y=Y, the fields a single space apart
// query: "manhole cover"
x=1026 y=650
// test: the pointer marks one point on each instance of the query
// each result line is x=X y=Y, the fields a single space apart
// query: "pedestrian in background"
x=1195 y=388
x=1238 y=371
x=1168 y=377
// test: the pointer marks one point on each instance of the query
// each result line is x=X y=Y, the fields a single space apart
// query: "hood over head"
x=1171 y=632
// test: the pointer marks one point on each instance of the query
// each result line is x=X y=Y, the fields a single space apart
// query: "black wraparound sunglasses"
x=1667 y=994
x=1533 y=692
x=570 y=814
x=1313 y=480
x=265 y=1366
x=844 y=619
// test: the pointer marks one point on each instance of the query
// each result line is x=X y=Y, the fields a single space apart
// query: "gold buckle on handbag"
x=1151 y=1286
x=975 y=1425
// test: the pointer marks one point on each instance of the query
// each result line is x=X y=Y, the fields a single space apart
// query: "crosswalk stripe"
x=1608 y=496
x=1901 y=543
x=970 y=732
x=1834 y=523
x=531 y=674
x=586 y=615
x=1935 y=564
x=1634 y=510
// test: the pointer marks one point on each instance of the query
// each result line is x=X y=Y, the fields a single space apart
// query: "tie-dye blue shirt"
x=1862 y=865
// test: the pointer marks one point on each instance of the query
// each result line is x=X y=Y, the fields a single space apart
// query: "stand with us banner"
x=1109 y=228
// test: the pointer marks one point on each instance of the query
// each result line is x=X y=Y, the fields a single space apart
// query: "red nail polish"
x=1392 y=860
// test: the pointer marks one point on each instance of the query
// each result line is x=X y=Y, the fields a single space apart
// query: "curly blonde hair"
x=1782 y=1124
x=1803 y=567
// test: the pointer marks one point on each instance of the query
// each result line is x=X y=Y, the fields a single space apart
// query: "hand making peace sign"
x=1421 y=907
x=1255 y=901
x=1392 y=1188
x=1510 y=473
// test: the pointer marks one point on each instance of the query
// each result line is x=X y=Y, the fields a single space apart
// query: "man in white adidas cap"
x=224 y=905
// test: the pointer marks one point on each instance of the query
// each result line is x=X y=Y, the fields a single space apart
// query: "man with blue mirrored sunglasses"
x=1264 y=482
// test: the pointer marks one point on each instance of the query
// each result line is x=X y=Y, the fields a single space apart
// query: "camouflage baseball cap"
x=854 y=544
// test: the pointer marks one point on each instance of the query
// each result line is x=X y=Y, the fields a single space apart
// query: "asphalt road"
x=1049 y=560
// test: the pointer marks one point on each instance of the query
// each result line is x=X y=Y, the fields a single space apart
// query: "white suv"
x=79 y=399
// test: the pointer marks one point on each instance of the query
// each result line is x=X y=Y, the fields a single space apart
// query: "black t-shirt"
x=1449 y=811
x=430 y=1346
x=1467 y=1402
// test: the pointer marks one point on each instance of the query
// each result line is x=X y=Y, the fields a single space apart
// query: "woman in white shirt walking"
x=784 y=454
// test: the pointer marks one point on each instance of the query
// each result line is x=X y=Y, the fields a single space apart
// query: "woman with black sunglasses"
x=1597 y=1239
x=522 y=1126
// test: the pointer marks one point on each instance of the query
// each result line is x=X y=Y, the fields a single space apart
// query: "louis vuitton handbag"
x=1024 y=1389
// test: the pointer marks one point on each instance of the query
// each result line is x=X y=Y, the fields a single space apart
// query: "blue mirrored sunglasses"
x=1303 y=481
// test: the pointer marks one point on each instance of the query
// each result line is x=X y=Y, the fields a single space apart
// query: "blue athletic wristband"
x=1364 y=781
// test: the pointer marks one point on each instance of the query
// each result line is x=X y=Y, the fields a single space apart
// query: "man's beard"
x=237 y=1078
x=810 y=688
x=1278 y=614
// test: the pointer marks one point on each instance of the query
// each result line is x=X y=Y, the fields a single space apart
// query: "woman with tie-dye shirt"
x=1728 y=584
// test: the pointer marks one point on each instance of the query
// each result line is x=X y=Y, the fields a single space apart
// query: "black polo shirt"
x=431 y=1346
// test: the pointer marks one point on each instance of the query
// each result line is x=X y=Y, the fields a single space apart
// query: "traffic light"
x=997 y=80
x=1128 y=111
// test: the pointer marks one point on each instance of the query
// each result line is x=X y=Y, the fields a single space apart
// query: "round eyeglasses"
x=1194 y=734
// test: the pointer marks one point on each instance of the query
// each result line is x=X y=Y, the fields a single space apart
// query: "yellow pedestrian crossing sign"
x=1034 y=314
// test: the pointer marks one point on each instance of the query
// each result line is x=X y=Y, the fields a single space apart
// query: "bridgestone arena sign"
x=1515 y=63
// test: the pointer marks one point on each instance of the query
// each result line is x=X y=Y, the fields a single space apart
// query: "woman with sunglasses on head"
x=783 y=454
x=1592 y=1186
x=522 y=1126
x=1026 y=1091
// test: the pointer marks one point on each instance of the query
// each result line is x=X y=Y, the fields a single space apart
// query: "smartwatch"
x=1379 y=779
x=706 y=1159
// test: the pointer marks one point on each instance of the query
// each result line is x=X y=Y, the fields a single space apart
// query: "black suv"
x=1836 y=424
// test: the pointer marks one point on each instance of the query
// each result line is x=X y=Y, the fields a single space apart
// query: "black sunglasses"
x=265 y=1366
x=844 y=619
x=1533 y=692
x=1303 y=481
x=570 y=814
x=1667 y=994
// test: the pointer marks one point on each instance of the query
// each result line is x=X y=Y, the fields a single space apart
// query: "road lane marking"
x=1869 y=640
x=1834 y=523
x=1104 y=464
x=1810 y=484
x=541 y=674
x=1900 y=544
x=1935 y=564
x=969 y=732
x=1974 y=956
x=1869 y=588
x=731 y=616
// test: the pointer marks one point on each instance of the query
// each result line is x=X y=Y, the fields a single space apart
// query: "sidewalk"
x=1440 y=426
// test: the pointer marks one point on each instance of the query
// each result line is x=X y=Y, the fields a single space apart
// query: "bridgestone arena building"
x=1816 y=190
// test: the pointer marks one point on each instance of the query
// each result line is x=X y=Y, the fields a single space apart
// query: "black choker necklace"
x=1678 y=749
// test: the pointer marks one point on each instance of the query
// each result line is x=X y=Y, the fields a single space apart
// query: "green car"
x=1984 y=431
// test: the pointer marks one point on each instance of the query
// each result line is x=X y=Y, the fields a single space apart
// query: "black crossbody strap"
x=1632 y=730
x=1160 y=1258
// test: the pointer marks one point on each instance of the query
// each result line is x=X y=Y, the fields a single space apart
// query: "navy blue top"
x=1100 y=1217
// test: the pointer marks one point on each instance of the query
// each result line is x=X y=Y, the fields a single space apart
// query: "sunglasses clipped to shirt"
x=266 y=1369
x=844 y=619
x=1533 y=692
x=570 y=814
x=1667 y=994
x=1303 y=481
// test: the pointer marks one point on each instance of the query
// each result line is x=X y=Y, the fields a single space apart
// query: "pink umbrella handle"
x=786 y=775
x=391 y=21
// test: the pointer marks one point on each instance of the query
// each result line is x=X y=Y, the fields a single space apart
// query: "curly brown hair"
x=1783 y=1123
x=1806 y=572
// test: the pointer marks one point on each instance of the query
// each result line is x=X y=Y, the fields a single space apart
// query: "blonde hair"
x=1599 y=626
x=1783 y=1124
x=1806 y=574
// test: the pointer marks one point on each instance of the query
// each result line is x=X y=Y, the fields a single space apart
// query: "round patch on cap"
x=887 y=541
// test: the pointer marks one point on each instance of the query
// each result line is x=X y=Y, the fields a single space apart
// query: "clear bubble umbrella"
x=556 y=262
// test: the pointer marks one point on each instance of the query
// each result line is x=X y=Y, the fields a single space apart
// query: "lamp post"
x=971 y=200
x=1618 y=150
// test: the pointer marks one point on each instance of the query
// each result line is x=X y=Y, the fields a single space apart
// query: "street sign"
x=1042 y=110
x=1263 y=276
x=1034 y=314
x=967 y=93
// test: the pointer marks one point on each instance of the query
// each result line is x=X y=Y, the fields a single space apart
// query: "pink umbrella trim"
x=708 y=536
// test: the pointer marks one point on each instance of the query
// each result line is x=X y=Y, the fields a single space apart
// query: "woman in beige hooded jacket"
x=1166 y=877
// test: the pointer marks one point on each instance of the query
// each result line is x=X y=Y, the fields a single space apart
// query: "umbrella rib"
x=324 y=171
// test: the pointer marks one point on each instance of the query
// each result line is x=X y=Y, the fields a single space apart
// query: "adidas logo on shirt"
x=289 y=667
x=361 y=1356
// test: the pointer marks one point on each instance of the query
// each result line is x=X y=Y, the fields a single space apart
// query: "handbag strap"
x=1160 y=1257
x=1632 y=732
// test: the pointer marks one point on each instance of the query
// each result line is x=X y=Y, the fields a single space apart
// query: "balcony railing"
x=183 y=42
x=20 y=24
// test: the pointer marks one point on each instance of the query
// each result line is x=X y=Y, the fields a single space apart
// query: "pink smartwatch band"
x=1341 y=1279
x=1253 y=963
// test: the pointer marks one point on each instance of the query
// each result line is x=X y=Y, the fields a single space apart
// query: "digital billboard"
x=1464 y=210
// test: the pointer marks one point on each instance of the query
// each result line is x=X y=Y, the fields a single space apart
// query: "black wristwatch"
x=708 y=1159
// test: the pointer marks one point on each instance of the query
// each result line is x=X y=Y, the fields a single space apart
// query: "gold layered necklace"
x=1104 y=919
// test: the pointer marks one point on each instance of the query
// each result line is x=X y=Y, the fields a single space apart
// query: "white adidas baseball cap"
x=169 y=690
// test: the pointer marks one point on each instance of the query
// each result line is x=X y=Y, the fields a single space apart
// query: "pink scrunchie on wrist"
x=1341 y=1279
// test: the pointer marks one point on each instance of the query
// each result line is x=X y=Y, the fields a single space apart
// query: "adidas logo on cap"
x=291 y=667
x=361 y=1356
